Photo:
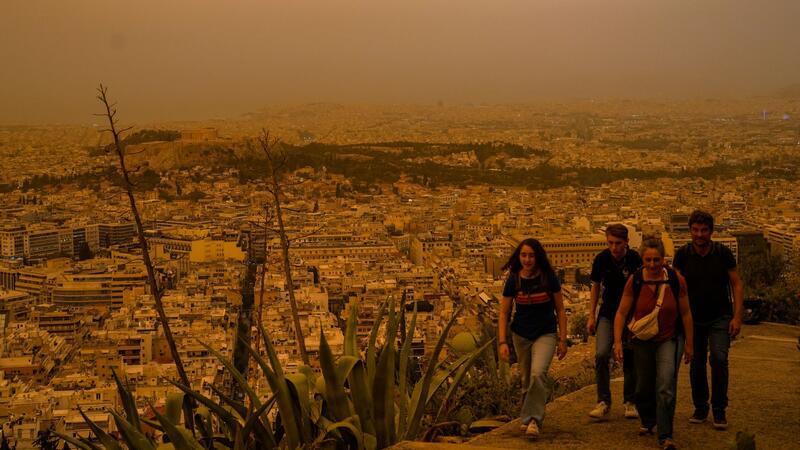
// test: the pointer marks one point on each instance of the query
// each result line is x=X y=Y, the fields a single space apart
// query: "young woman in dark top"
x=656 y=358
x=538 y=328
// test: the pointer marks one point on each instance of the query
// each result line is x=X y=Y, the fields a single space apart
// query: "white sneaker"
x=532 y=430
x=630 y=411
x=600 y=411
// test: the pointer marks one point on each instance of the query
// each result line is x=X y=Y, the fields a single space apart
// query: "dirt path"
x=764 y=400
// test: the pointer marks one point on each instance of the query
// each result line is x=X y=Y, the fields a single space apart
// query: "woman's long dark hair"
x=542 y=263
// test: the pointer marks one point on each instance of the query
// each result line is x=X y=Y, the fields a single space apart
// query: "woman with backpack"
x=655 y=312
x=538 y=328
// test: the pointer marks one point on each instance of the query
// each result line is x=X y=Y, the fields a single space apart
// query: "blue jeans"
x=604 y=340
x=713 y=336
x=534 y=360
x=656 y=383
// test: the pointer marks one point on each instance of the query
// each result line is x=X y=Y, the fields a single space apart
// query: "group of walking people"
x=650 y=316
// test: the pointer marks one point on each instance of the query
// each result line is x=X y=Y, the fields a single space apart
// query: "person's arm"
x=502 y=327
x=593 y=297
x=561 y=313
x=625 y=305
x=737 y=287
x=688 y=324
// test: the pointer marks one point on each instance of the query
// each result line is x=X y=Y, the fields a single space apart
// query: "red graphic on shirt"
x=532 y=298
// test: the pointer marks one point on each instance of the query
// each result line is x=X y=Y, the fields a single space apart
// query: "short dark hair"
x=617 y=230
x=703 y=218
x=655 y=243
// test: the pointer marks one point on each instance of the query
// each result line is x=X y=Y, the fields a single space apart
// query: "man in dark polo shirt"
x=711 y=277
x=610 y=272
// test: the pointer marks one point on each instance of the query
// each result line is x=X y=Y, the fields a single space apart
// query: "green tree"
x=760 y=270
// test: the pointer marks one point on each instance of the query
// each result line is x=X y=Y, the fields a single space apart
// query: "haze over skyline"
x=202 y=59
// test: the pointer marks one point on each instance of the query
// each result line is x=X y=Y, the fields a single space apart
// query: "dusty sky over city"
x=193 y=59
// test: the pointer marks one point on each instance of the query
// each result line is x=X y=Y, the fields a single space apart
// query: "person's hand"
x=504 y=352
x=561 y=351
x=618 y=351
x=688 y=353
x=735 y=327
x=590 y=326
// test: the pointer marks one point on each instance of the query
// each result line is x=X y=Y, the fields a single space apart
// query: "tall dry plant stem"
x=276 y=163
x=111 y=114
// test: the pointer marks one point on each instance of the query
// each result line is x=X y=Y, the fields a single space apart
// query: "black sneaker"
x=720 y=422
x=698 y=416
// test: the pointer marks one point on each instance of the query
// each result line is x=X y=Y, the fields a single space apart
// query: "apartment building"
x=571 y=251
x=41 y=243
x=785 y=240
x=12 y=242
x=69 y=326
x=15 y=305
x=96 y=287
x=36 y=281
x=427 y=244
x=110 y=234
x=323 y=248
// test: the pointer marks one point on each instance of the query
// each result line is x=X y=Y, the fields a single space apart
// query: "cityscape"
x=75 y=297
x=141 y=260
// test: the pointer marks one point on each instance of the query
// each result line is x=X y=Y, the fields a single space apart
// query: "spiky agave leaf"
x=334 y=387
x=133 y=436
x=459 y=375
x=285 y=400
x=289 y=410
x=256 y=416
x=373 y=337
x=128 y=403
x=231 y=421
x=174 y=405
x=350 y=338
x=237 y=376
x=226 y=399
x=361 y=395
x=418 y=404
x=363 y=440
x=384 y=384
x=77 y=443
x=108 y=442
x=180 y=439
x=405 y=353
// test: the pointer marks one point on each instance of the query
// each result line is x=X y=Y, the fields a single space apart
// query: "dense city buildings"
x=433 y=228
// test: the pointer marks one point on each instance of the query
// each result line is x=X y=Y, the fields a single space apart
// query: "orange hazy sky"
x=194 y=59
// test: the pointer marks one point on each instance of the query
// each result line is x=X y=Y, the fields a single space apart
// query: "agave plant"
x=358 y=402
